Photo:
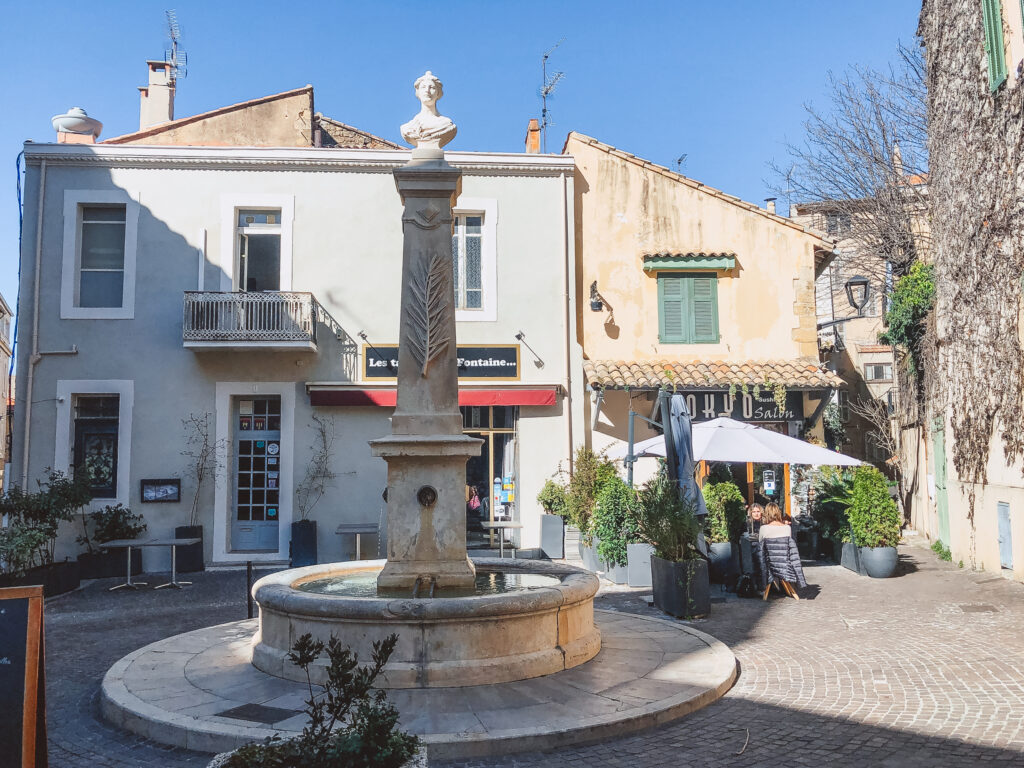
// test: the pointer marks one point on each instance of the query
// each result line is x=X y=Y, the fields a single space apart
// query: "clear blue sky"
x=722 y=82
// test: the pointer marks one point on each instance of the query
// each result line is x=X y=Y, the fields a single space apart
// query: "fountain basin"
x=442 y=641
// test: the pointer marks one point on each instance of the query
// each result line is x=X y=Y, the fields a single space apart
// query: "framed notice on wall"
x=496 y=362
x=22 y=682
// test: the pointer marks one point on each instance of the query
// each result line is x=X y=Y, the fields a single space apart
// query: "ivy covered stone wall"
x=975 y=366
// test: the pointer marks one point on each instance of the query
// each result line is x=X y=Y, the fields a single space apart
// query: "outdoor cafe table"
x=500 y=526
x=172 y=543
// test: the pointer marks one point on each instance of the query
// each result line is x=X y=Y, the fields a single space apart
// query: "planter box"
x=190 y=558
x=552 y=536
x=638 y=564
x=879 y=562
x=851 y=559
x=589 y=555
x=807 y=544
x=721 y=562
x=618 y=574
x=302 y=547
x=55 y=579
x=107 y=564
x=681 y=589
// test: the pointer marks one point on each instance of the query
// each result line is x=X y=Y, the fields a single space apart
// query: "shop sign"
x=706 y=405
x=496 y=362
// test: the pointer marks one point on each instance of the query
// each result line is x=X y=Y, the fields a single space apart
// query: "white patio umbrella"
x=728 y=440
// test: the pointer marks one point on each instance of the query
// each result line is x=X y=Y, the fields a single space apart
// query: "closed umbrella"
x=682 y=443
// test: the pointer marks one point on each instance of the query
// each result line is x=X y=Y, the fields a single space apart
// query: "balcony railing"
x=275 y=320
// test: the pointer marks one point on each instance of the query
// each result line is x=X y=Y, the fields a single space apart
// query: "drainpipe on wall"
x=568 y=337
x=34 y=357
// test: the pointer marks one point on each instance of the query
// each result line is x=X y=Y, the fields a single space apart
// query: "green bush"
x=578 y=497
x=614 y=522
x=942 y=551
x=873 y=514
x=833 y=493
x=911 y=301
x=552 y=498
x=30 y=535
x=350 y=725
x=109 y=524
x=666 y=521
x=726 y=512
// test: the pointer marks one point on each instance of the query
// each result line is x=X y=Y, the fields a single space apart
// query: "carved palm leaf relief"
x=426 y=330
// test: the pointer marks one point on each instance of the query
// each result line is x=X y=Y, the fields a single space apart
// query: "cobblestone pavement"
x=920 y=670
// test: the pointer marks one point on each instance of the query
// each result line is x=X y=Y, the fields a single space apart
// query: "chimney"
x=157 y=98
x=76 y=127
x=533 y=137
x=769 y=204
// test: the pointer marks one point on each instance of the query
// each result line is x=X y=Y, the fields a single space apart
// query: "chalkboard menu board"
x=22 y=683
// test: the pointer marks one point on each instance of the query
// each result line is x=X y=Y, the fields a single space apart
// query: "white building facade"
x=258 y=288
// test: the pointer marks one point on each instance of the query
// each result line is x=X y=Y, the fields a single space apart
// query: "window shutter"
x=705 y=309
x=671 y=305
x=992 y=12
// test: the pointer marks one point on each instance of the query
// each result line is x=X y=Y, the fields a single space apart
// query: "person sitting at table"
x=754 y=514
x=779 y=559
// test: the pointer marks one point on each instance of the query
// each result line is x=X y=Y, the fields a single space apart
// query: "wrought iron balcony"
x=282 y=320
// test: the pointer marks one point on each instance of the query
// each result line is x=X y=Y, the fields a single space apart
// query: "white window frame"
x=882 y=380
x=488 y=209
x=74 y=201
x=67 y=390
x=226 y=393
x=230 y=205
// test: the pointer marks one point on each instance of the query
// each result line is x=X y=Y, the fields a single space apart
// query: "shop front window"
x=491 y=477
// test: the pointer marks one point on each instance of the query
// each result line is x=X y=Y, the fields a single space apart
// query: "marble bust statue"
x=429 y=130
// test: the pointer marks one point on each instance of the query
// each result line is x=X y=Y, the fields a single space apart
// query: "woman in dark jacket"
x=779 y=556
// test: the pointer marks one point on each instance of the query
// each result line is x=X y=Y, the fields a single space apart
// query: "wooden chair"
x=786 y=589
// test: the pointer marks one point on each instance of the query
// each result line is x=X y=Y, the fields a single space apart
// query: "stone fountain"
x=528 y=619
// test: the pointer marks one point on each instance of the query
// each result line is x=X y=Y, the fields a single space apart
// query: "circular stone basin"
x=531 y=619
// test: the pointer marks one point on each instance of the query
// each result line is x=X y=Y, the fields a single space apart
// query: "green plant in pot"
x=320 y=475
x=723 y=525
x=204 y=458
x=592 y=471
x=552 y=523
x=614 y=526
x=875 y=521
x=678 y=572
x=109 y=524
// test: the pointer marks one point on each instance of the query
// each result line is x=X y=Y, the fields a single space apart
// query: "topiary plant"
x=726 y=512
x=552 y=498
x=614 y=521
x=872 y=513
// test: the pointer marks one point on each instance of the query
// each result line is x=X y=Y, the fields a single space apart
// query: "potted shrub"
x=832 y=488
x=30 y=536
x=319 y=476
x=723 y=525
x=679 y=574
x=552 y=523
x=203 y=457
x=875 y=522
x=109 y=524
x=614 y=527
x=591 y=472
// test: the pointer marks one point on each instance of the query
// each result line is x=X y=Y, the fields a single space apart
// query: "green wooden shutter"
x=705 y=310
x=672 y=301
x=993 y=14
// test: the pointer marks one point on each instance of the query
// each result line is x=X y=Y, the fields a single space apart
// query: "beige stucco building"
x=685 y=287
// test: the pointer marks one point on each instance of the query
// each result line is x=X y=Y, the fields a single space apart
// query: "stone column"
x=427 y=452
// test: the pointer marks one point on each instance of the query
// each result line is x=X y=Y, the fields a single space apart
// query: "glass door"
x=257 y=474
x=491 y=476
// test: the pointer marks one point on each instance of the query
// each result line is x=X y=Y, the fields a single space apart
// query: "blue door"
x=1005 y=541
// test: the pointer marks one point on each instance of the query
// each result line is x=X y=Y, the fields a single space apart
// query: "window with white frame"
x=878 y=372
x=98 y=266
x=101 y=256
x=467 y=261
x=259 y=250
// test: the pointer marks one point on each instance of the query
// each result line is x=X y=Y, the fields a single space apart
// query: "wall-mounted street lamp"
x=377 y=352
x=521 y=338
x=858 y=292
x=596 y=302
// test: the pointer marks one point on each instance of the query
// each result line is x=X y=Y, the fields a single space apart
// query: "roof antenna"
x=546 y=89
x=680 y=162
x=175 y=58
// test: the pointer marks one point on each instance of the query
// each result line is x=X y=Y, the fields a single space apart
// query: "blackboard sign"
x=496 y=362
x=22 y=683
x=705 y=405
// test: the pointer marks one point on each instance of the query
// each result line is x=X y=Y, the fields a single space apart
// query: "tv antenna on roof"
x=176 y=59
x=680 y=162
x=546 y=89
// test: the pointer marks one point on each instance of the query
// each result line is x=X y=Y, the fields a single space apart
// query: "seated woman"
x=754 y=514
x=779 y=558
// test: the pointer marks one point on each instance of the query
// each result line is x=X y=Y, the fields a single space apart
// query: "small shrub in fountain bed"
x=368 y=736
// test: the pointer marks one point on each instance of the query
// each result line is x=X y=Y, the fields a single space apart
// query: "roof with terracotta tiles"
x=803 y=373
x=828 y=242
x=874 y=348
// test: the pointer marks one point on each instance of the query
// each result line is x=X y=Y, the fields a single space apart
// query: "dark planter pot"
x=879 y=562
x=552 y=536
x=303 y=544
x=807 y=545
x=681 y=589
x=108 y=563
x=55 y=579
x=721 y=562
x=589 y=555
x=190 y=558
x=837 y=551
x=852 y=560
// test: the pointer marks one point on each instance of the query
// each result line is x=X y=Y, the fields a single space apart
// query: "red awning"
x=475 y=396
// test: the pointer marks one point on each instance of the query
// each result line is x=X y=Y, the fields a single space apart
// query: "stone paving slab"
x=652 y=671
